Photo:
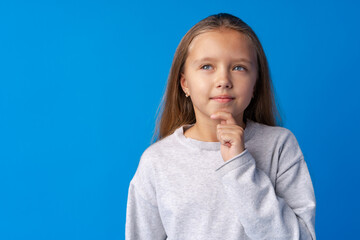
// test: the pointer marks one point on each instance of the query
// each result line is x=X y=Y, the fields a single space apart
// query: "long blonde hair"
x=177 y=110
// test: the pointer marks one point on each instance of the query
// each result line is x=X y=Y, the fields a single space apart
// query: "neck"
x=205 y=129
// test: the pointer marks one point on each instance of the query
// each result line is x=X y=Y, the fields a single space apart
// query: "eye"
x=206 y=67
x=239 y=68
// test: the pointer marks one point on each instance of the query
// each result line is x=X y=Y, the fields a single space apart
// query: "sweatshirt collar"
x=210 y=146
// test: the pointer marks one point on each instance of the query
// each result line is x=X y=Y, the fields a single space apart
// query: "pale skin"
x=220 y=62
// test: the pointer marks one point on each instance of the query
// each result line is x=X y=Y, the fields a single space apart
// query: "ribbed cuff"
x=234 y=162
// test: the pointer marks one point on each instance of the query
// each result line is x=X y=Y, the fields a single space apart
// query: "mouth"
x=222 y=99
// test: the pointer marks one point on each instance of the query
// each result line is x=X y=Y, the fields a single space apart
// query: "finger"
x=229 y=126
x=226 y=134
x=220 y=136
x=226 y=116
x=226 y=139
x=229 y=134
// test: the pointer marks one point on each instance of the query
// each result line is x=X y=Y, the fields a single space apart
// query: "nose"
x=223 y=80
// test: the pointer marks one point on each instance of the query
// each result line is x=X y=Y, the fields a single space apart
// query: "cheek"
x=245 y=88
x=200 y=86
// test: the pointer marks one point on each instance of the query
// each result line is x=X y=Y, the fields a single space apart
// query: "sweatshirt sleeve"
x=286 y=211
x=143 y=221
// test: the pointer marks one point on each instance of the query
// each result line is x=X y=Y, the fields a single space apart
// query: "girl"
x=221 y=169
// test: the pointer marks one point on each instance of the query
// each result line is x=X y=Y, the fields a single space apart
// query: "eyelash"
x=202 y=67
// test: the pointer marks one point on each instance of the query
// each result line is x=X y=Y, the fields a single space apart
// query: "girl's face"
x=220 y=62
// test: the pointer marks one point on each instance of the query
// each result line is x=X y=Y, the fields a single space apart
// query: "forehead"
x=222 y=43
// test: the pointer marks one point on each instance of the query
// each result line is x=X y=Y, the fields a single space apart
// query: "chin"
x=225 y=109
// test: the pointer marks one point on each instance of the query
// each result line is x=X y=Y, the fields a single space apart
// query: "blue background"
x=81 y=81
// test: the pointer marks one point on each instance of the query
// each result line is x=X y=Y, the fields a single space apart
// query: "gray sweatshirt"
x=184 y=190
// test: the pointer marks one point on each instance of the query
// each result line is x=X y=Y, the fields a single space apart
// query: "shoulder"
x=147 y=167
x=152 y=159
x=160 y=147
x=280 y=139
x=158 y=150
x=145 y=177
x=276 y=134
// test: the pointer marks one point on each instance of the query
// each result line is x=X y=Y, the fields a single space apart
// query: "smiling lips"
x=223 y=98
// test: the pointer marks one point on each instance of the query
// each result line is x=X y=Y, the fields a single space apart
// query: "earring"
x=186 y=94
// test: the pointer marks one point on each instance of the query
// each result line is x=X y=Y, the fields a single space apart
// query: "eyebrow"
x=205 y=59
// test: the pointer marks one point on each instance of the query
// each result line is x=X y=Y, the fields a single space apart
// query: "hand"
x=230 y=135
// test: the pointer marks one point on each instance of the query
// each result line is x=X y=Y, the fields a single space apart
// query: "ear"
x=183 y=82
